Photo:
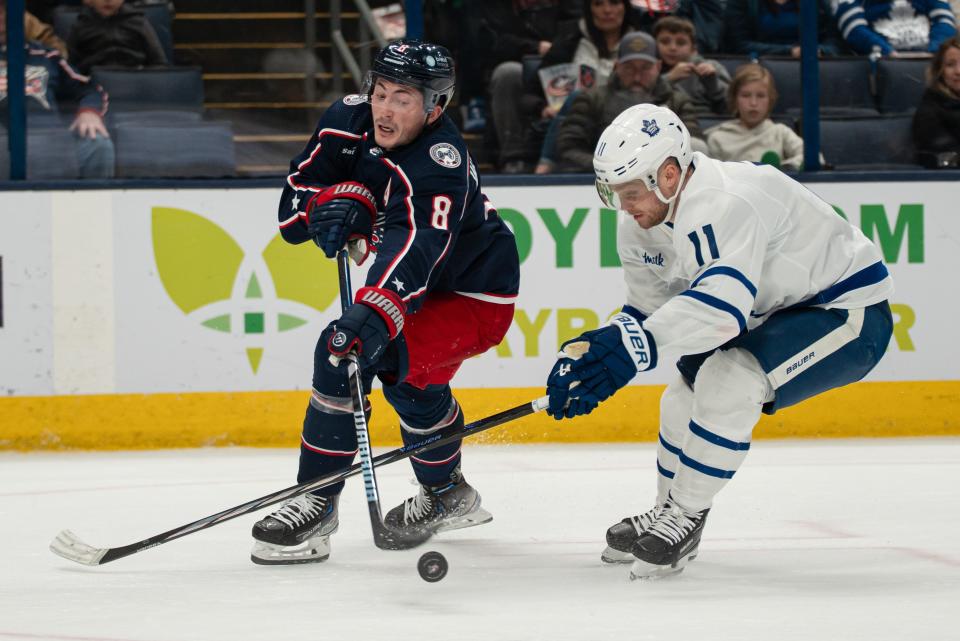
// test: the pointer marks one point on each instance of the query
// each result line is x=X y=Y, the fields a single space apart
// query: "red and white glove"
x=341 y=213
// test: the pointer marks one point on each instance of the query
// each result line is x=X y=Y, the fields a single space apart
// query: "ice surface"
x=813 y=540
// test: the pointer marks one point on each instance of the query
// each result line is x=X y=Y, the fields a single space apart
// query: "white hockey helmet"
x=635 y=145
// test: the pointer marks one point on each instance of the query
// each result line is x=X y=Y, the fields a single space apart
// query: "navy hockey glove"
x=617 y=352
x=339 y=213
x=368 y=326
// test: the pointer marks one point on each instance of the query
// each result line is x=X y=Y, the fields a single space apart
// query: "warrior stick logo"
x=245 y=296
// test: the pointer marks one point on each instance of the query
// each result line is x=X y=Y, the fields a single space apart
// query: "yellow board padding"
x=274 y=419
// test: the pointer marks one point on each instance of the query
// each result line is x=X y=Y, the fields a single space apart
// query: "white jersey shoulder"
x=746 y=241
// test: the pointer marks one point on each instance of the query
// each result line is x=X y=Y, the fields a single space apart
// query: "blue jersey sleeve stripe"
x=706 y=469
x=717 y=303
x=716 y=439
x=633 y=311
x=670 y=448
x=727 y=271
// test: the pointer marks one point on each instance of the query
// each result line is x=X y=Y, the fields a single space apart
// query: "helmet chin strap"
x=671 y=202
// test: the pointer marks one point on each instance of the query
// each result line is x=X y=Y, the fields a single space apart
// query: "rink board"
x=177 y=318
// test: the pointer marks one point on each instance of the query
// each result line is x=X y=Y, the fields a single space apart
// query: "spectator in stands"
x=108 y=32
x=936 y=123
x=706 y=15
x=705 y=81
x=897 y=25
x=636 y=79
x=514 y=29
x=772 y=28
x=43 y=9
x=590 y=44
x=51 y=80
x=34 y=30
x=752 y=135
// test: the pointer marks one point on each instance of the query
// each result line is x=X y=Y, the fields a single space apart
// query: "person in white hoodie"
x=751 y=135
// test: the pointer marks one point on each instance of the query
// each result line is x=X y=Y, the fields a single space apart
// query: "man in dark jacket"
x=108 y=32
x=636 y=79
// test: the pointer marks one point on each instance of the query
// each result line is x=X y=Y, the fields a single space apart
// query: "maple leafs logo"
x=249 y=296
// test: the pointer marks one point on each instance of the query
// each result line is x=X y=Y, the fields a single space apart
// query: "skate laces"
x=300 y=509
x=642 y=522
x=673 y=524
x=418 y=507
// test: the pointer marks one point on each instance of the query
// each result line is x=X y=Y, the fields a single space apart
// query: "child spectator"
x=772 y=27
x=753 y=136
x=34 y=30
x=108 y=32
x=705 y=81
x=50 y=82
x=936 y=124
x=898 y=25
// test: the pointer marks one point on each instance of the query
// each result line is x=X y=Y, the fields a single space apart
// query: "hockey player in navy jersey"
x=388 y=169
x=765 y=294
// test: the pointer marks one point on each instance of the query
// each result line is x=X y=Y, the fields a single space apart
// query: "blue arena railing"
x=16 y=90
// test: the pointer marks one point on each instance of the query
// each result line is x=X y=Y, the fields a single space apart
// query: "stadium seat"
x=46 y=157
x=880 y=142
x=156 y=88
x=844 y=86
x=156 y=12
x=786 y=75
x=730 y=63
x=174 y=150
x=900 y=83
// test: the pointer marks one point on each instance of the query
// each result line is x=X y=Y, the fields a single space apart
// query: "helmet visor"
x=608 y=196
x=620 y=195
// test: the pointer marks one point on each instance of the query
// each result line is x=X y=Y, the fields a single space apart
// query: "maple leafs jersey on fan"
x=436 y=231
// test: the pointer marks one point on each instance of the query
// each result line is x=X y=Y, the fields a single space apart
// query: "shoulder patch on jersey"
x=445 y=155
x=354 y=99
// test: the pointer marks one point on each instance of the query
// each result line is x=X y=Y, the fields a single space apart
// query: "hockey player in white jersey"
x=765 y=295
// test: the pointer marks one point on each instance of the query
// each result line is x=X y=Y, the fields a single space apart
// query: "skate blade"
x=310 y=551
x=643 y=571
x=477 y=517
x=613 y=556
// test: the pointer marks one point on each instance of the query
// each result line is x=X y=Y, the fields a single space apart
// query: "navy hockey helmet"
x=428 y=67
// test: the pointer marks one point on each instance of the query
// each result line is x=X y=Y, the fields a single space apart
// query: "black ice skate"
x=621 y=536
x=299 y=532
x=451 y=506
x=669 y=543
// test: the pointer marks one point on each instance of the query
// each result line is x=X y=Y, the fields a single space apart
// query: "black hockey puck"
x=432 y=567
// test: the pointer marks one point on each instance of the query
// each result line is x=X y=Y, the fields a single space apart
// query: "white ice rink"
x=819 y=541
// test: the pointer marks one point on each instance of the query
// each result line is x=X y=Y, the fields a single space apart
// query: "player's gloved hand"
x=616 y=353
x=367 y=327
x=339 y=213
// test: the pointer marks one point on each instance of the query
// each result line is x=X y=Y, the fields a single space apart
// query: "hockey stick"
x=70 y=547
x=384 y=536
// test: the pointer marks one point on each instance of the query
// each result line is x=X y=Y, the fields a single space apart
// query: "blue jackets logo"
x=445 y=155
